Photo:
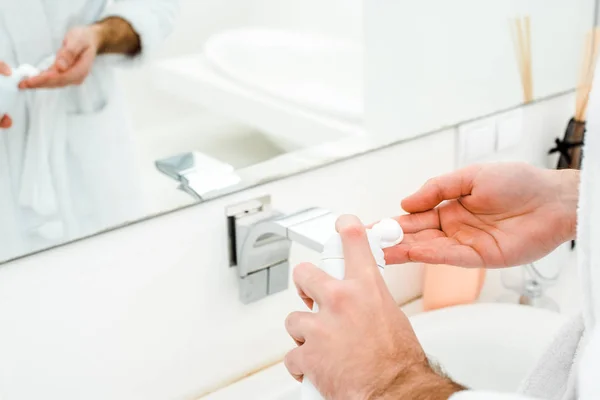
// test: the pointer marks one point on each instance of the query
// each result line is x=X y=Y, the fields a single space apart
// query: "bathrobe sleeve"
x=481 y=395
x=153 y=21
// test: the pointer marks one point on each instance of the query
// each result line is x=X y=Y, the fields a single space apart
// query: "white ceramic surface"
x=286 y=124
x=313 y=71
x=484 y=346
x=487 y=346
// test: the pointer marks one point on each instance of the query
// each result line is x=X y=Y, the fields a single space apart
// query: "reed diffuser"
x=521 y=36
x=570 y=148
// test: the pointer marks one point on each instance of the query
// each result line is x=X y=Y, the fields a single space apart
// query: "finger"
x=52 y=79
x=421 y=221
x=78 y=72
x=46 y=79
x=311 y=283
x=67 y=56
x=5 y=122
x=358 y=257
x=293 y=363
x=399 y=254
x=445 y=251
x=5 y=69
x=299 y=325
x=445 y=187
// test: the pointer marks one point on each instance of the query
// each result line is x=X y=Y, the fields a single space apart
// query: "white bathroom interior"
x=345 y=105
x=317 y=97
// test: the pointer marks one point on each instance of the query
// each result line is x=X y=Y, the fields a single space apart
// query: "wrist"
x=420 y=382
x=569 y=198
x=99 y=37
x=114 y=35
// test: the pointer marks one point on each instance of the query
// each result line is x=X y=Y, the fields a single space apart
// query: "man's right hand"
x=5 y=121
x=494 y=215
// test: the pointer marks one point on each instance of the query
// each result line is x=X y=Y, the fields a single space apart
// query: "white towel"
x=555 y=375
x=47 y=116
x=44 y=162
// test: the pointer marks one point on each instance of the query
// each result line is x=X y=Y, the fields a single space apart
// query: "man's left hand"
x=359 y=345
x=73 y=63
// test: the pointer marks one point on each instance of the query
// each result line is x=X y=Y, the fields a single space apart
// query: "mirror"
x=433 y=63
x=117 y=112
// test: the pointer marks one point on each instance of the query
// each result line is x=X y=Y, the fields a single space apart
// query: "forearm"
x=116 y=36
x=422 y=384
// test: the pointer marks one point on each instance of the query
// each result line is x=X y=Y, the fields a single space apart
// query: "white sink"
x=482 y=346
x=313 y=71
x=487 y=346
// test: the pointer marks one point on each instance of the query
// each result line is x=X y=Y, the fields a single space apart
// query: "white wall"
x=201 y=18
x=342 y=18
x=152 y=312
x=432 y=63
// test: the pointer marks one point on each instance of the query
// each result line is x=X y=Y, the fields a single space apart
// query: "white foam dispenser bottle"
x=386 y=233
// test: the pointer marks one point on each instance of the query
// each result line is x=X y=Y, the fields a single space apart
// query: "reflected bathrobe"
x=67 y=165
x=570 y=369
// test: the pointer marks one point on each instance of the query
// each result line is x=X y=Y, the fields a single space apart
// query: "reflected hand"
x=73 y=63
x=5 y=121
x=494 y=215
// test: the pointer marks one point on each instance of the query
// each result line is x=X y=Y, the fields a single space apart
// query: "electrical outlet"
x=477 y=141
x=509 y=130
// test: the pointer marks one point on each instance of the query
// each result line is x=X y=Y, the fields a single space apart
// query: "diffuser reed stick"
x=521 y=36
x=586 y=74
x=572 y=154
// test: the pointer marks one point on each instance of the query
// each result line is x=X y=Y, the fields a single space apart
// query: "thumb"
x=358 y=257
x=73 y=46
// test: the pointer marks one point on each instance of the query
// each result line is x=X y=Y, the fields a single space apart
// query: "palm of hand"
x=495 y=217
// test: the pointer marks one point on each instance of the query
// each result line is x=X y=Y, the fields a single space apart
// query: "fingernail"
x=347 y=221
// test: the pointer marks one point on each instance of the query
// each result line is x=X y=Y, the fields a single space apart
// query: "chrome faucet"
x=260 y=240
x=198 y=174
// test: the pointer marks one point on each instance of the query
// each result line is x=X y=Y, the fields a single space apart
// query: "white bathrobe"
x=570 y=369
x=67 y=166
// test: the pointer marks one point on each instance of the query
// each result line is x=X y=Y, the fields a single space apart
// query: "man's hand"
x=5 y=121
x=80 y=48
x=73 y=63
x=359 y=345
x=495 y=215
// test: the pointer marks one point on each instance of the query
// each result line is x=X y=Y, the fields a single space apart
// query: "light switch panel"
x=509 y=130
x=477 y=141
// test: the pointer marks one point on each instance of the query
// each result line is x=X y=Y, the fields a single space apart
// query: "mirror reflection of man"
x=67 y=166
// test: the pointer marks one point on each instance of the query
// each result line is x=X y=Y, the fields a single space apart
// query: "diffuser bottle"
x=446 y=285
